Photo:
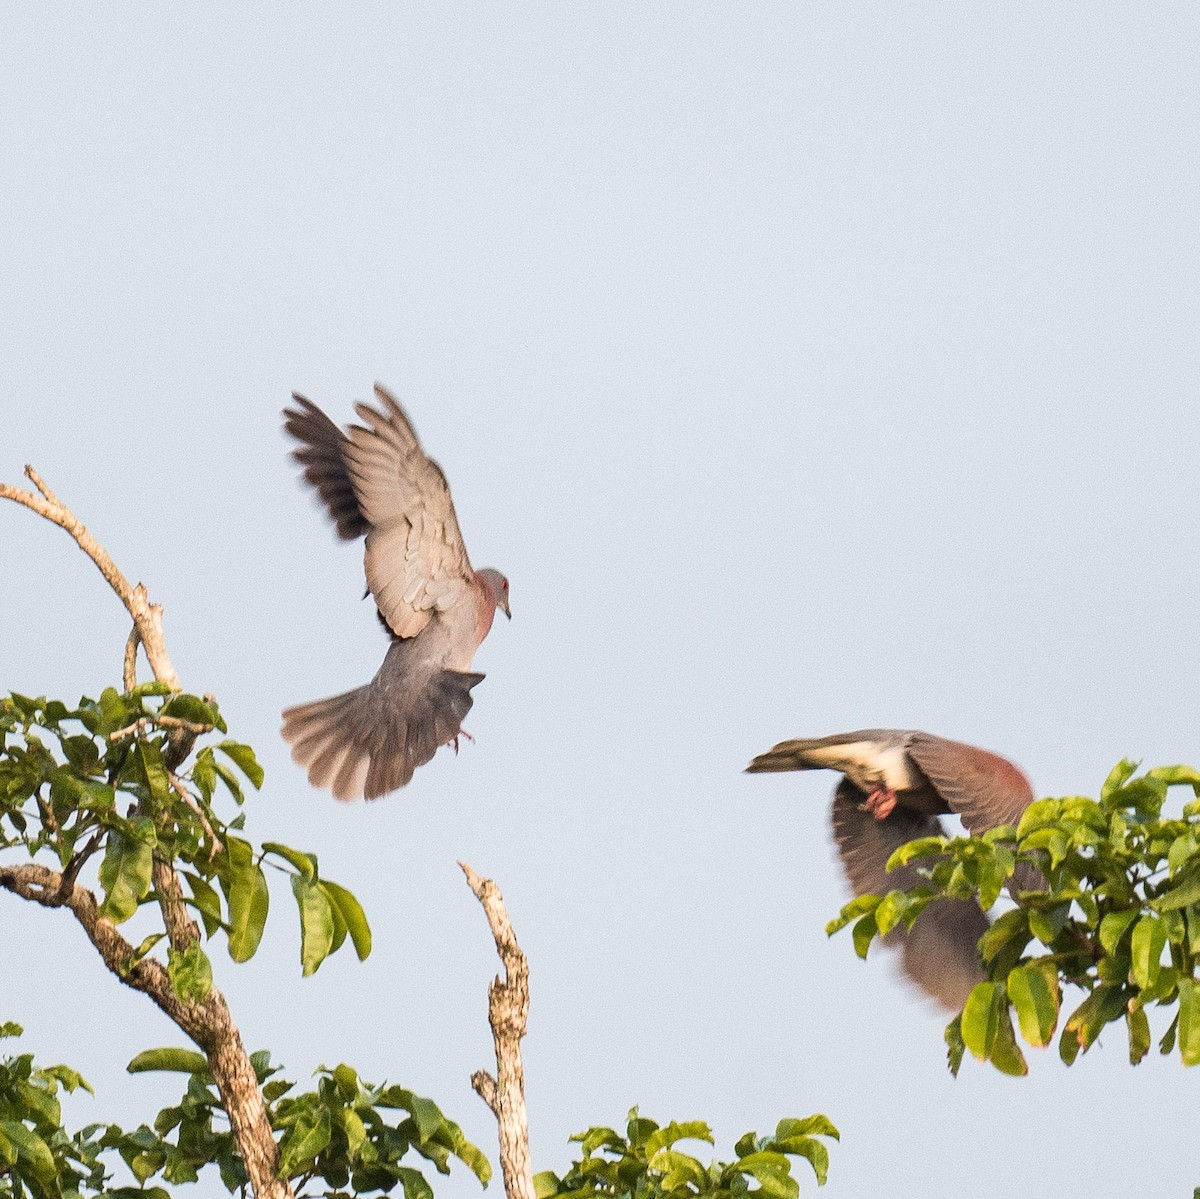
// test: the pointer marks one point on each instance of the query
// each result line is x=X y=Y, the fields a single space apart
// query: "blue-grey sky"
x=806 y=366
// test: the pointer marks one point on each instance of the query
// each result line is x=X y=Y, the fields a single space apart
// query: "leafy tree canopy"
x=1108 y=902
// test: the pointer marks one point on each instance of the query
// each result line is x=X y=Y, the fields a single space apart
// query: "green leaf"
x=1147 y=944
x=31 y=1150
x=308 y=1136
x=152 y=687
x=175 y=1061
x=204 y=773
x=1182 y=848
x=545 y=1184
x=690 y=1130
x=230 y=780
x=1089 y=1018
x=680 y=1169
x=890 y=911
x=851 y=912
x=816 y=1125
x=115 y=712
x=1006 y=1053
x=157 y=778
x=190 y=973
x=1047 y=924
x=125 y=871
x=1052 y=840
x=316 y=924
x=192 y=708
x=1139 y=1033
x=770 y=1170
x=863 y=932
x=1008 y=927
x=1039 y=813
x=812 y=1151
x=922 y=847
x=355 y=1130
x=147 y=944
x=247 y=897
x=979 y=1020
x=243 y=758
x=1113 y=926
x=1186 y=892
x=428 y=1116
x=1168 y=1038
x=1035 y=994
x=306 y=863
x=1120 y=774
x=413 y=1181
x=1189 y=1021
x=1175 y=776
x=205 y=900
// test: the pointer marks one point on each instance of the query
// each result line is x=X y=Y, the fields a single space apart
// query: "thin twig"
x=215 y=845
x=195 y=727
x=508 y=1014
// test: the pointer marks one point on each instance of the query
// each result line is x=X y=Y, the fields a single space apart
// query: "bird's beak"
x=504 y=609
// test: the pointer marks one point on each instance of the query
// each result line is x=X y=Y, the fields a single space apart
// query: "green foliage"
x=38 y=1157
x=1111 y=905
x=105 y=778
x=645 y=1163
x=121 y=780
x=339 y=1135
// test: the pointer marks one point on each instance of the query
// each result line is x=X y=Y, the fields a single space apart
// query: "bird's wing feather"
x=940 y=950
x=984 y=789
x=416 y=561
x=320 y=453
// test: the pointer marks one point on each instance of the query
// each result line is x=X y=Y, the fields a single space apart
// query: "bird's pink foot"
x=461 y=733
x=880 y=803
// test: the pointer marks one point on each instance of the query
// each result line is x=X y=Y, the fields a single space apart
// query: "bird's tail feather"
x=362 y=744
x=789 y=755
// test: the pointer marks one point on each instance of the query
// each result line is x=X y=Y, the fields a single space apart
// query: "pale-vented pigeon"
x=895 y=782
x=377 y=482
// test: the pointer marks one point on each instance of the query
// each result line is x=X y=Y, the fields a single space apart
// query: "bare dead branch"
x=147 y=617
x=508 y=1014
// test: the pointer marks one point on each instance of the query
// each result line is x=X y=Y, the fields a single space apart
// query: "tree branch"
x=508 y=1013
x=147 y=617
x=208 y=1023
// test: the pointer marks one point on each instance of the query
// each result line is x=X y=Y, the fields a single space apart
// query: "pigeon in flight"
x=377 y=482
x=895 y=782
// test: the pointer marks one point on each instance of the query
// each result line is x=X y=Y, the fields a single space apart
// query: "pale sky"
x=807 y=367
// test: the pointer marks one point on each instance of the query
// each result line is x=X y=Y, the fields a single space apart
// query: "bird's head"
x=496 y=585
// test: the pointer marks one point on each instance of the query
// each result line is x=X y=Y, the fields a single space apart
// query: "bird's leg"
x=460 y=733
x=880 y=802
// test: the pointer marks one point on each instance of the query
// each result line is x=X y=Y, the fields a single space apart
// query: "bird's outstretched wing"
x=984 y=789
x=939 y=951
x=376 y=480
x=416 y=562
x=320 y=454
